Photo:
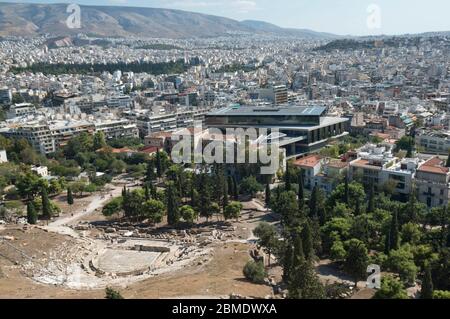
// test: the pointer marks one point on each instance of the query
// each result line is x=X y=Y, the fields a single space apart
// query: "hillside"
x=113 y=21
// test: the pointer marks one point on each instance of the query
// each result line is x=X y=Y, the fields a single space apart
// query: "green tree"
x=411 y=233
x=307 y=241
x=154 y=210
x=287 y=259
x=250 y=186
x=173 y=204
x=401 y=261
x=394 y=237
x=112 y=294
x=225 y=200
x=303 y=282
x=317 y=205
x=267 y=198
x=46 y=207
x=132 y=203
x=440 y=294
x=204 y=203
x=255 y=272
x=338 y=252
x=235 y=189
x=348 y=194
x=215 y=209
x=391 y=288
x=150 y=175
x=31 y=214
x=406 y=143
x=357 y=260
x=113 y=207
x=233 y=210
x=287 y=178
x=286 y=205
x=188 y=214
x=301 y=192
x=29 y=185
x=69 y=196
x=371 y=200
x=99 y=140
x=267 y=238
x=427 y=285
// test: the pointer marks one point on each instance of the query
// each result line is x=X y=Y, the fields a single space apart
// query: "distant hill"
x=265 y=27
x=116 y=21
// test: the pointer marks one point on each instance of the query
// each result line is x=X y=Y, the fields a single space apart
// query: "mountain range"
x=18 y=19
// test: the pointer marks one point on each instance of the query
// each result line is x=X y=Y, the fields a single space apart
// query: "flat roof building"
x=303 y=129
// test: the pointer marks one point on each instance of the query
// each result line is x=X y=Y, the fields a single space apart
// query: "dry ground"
x=220 y=277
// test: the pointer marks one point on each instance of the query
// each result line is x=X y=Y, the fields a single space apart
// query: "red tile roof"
x=434 y=165
x=309 y=161
x=149 y=149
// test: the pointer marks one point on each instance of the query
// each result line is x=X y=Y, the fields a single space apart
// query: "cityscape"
x=166 y=154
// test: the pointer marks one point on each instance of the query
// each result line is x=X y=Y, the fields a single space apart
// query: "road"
x=60 y=225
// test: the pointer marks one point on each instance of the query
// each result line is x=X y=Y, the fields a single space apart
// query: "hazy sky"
x=357 y=17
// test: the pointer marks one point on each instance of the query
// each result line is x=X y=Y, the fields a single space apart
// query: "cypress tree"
x=346 y=192
x=235 y=189
x=303 y=282
x=158 y=164
x=371 y=203
x=31 y=214
x=313 y=203
x=150 y=172
x=205 y=197
x=387 y=242
x=147 y=192
x=69 y=196
x=46 y=209
x=287 y=261
x=287 y=178
x=267 y=199
x=301 y=191
x=193 y=195
x=225 y=200
x=358 y=207
x=412 y=207
x=173 y=204
x=394 y=233
x=307 y=241
x=427 y=285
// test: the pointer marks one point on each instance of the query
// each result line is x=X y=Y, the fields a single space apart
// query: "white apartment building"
x=376 y=165
x=433 y=183
x=119 y=101
x=21 y=109
x=120 y=128
x=434 y=142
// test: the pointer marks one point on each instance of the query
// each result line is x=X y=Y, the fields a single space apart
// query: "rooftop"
x=309 y=161
x=434 y=165
x=270 y=111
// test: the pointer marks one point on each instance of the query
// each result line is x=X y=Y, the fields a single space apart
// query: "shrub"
x=112 y=294
x=255 y=272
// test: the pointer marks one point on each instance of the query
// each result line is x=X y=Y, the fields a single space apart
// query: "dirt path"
x=59 y=225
